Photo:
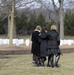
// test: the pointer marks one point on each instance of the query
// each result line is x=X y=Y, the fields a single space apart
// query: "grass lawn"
x=22 y=65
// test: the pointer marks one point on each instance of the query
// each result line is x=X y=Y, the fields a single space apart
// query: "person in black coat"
x=53 y=46
x=43 y=45
x=35 y=44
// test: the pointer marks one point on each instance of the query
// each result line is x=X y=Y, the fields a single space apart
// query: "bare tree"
x=61 y=14
x=7 y=8
x=58 y=11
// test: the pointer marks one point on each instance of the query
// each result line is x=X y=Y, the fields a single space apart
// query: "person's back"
x=53 y=39
x=35 y=35
x=53 y=46
x=43 y=46
x=35 y=44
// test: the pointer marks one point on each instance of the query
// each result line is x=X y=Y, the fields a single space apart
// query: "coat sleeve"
x=39 y=39
x=58 y=39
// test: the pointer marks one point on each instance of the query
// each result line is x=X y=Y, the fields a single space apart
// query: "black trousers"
x=51 y=60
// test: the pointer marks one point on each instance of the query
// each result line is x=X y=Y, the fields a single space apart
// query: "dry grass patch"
x=22 y=65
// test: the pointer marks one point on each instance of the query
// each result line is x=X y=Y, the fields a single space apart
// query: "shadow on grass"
x=6 y=57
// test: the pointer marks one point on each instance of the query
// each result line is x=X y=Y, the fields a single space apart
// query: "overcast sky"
x=37 y=5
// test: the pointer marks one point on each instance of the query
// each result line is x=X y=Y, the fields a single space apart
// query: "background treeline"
x=26 y=23
x=69 y=23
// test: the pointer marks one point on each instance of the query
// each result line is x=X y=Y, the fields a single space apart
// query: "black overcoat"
x=43 y=44
x=35 y=44
x=53 y=42
x=53 y=39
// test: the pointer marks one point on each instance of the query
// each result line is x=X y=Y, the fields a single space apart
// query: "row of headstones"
x=66 y=42
x=17 y=42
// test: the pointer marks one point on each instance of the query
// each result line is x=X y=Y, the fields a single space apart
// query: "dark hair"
x=44 y=29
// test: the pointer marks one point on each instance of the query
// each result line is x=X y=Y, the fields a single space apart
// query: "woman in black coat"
x=35 y=44
x=53 y=46
x=43 y=45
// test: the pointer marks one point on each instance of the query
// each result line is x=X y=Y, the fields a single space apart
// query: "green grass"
x=22 y=65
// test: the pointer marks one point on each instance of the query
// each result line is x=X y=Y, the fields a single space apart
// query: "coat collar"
x=37 y=30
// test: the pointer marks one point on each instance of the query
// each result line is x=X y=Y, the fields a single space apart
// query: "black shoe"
x=48 y=65
x=52 y=66
x=37 y=63
x=57 y=65
x=42 y=63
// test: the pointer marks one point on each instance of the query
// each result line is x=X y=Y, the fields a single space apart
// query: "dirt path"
x=6 y=50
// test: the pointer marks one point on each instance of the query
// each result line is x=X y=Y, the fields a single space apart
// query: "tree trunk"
x=61 y=20
x=12 y=24
x=9 y=21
